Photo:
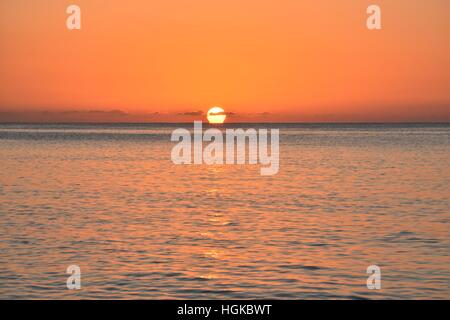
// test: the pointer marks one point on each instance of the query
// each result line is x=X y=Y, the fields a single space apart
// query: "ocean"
x=107 y=198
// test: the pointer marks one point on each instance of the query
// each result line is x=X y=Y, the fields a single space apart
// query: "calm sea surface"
x=109 y=199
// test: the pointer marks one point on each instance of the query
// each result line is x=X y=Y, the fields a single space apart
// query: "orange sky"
x=292 y=60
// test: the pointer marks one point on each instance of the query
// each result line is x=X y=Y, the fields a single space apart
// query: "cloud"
x=224 y=113
x=98 y=112
x=191 y=113
x=65 y=116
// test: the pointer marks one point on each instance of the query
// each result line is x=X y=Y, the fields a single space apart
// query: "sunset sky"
x=261 y=60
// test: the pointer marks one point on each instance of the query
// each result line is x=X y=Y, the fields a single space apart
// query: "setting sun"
x=216 y=115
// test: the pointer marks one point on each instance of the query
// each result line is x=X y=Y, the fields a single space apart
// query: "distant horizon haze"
x=120 y=116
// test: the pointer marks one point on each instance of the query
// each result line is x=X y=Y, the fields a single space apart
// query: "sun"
x=216 y=115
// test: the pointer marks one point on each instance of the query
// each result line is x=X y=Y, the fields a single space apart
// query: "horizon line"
x=237 y=122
